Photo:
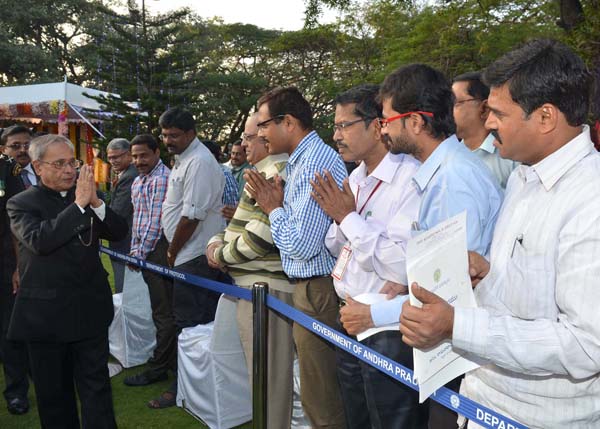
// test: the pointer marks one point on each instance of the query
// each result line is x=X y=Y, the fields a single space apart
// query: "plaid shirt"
x=230 y=193
x=300 y=226
x=147 y=195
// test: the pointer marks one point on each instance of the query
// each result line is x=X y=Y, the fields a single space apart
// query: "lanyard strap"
x=368 y=198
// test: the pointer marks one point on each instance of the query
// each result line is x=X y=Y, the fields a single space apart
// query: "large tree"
x=580 y=19
x=141 y=57
x=38 y=39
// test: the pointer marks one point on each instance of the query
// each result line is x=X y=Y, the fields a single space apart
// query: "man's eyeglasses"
x=343 y=125
x=17 y=146
x=458 y=103
x=61 y=164
x=263 y=124
x=248 y=137
x=115 y=157
x=173 y=136
x=385 y=121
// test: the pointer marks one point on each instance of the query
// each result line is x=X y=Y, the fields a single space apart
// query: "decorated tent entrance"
x=59 y=108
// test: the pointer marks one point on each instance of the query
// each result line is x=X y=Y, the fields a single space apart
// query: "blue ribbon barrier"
x=460 y=404
x=215 y=286
x=448 y=398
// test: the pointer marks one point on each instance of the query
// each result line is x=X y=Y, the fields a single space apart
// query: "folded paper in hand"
x=438 y=261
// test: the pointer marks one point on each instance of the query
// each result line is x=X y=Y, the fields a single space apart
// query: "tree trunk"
x=571 y=14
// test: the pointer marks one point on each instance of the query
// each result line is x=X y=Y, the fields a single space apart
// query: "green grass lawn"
x=129 y=402
x=130 y=408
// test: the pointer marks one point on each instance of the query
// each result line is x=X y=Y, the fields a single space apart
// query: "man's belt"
x=307 y=279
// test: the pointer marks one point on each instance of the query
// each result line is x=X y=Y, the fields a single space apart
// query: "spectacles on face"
x=385 y=121
x=171 y=136
x=343 y=125
x=458 y=103
x=61 y=164
x=248 y=137
x=115 y=157
x=262 y=125
x=17 y=146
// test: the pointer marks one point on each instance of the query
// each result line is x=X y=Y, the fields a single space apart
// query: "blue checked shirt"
x=230 y=193
x=300 y=226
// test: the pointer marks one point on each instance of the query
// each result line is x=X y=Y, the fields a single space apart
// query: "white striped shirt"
x=538 y=320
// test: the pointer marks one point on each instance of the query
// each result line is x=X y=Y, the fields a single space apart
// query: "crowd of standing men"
x=508 y=146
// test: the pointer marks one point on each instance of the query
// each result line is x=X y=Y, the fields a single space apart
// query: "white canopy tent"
x=61 y=108
x=45 y=92
x=44 y=102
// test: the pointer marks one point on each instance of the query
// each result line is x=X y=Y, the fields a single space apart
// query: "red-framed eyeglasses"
x=385 y=121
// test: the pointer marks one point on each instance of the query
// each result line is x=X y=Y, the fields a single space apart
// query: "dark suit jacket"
x=64 y=294
x=12 y=185
x=120 y=203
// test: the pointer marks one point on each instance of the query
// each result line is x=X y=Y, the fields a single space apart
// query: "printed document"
x=438 y=261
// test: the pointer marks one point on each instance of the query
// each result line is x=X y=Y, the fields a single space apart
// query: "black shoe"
x=144 y=378
x=17 y=406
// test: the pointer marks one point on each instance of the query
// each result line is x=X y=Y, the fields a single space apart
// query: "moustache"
x=341 y=145
x=496 y=136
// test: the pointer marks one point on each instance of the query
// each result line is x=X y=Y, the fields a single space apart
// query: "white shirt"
x=538 y=320
x=500 y=167
x=196 y=185
x=377 y=235
x=100 y=210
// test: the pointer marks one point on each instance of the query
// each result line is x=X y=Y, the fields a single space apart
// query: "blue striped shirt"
x=300 y=226
x=230 y=193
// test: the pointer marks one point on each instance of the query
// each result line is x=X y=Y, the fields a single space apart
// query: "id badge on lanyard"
x=342 y=263
x=346 y=253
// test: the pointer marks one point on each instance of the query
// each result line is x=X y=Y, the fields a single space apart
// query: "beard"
x=399 y=144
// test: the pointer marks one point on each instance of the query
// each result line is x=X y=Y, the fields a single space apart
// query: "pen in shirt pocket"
x=518 y=239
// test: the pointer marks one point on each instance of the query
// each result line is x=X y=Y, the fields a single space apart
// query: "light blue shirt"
x=500 y=167
x=300 y=226
x=451 y=181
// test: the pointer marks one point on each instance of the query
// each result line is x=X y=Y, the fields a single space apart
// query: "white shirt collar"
x=29 y=168
x=188 y=150
x=385 y=170
x=550 y=169
x=488 y=144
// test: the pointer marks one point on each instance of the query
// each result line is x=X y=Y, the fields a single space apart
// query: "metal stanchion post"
x=259 y=361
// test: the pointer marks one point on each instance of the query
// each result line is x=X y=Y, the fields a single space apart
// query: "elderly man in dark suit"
x=64 y=306
x=119 y=155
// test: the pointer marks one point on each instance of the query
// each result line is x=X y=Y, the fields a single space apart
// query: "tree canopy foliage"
x=219 y=70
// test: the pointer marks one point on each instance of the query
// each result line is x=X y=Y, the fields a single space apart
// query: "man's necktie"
x=25 y=179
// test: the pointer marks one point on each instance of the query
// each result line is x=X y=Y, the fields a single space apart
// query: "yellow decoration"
x=54 y=107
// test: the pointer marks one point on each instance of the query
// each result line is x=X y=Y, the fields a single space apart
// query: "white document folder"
x=438 y=261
